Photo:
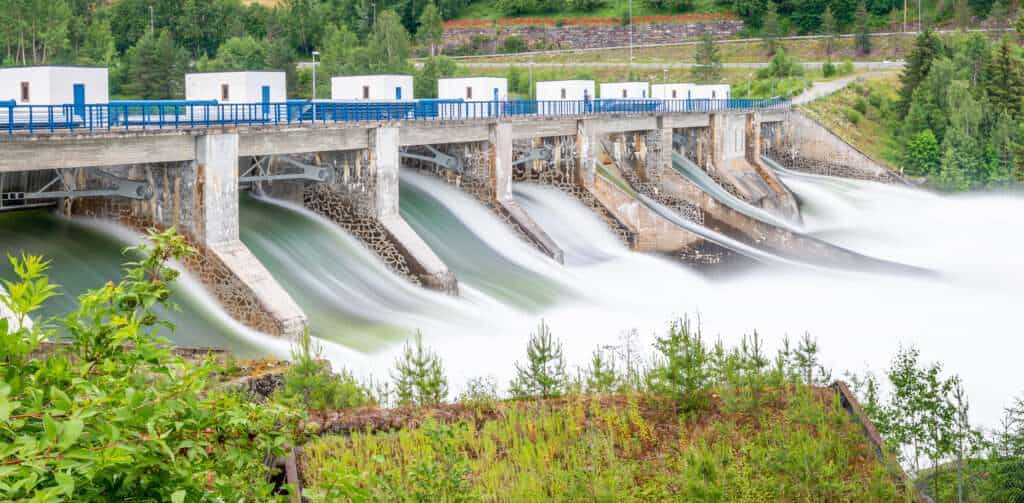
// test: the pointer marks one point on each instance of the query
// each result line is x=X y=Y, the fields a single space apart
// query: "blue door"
x=266 y=100
x=79 y=93
x=398 y=93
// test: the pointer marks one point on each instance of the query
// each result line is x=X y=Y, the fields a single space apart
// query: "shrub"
x=601 y=376
x=309 y=382
x=828 y=69
x=419 y=376
x=781 y=66
x=115 y=416
x=852 y=116
x=480 y=391
x=860 y=105
x=875 y=100
x=544 y=374
x=514 y=43
x=846 y=68
x=922 y=155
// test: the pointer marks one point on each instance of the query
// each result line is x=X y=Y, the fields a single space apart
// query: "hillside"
x=863 y=114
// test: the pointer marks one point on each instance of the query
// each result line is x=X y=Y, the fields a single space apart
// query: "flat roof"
x=371 y=75
x=95 y=67
x=628 y=82
x=236 y=71
x=557 y=81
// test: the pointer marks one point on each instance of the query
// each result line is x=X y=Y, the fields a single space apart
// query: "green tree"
x=601 y=375
x=310 y=384
x=927 y=47
x=301 y=20
x=707 y=60
x=201 y=26
x=751 y=11
x=433 y=69
x=922 y=155
x=388 y=46
x=770 y=28
x=1004 y=80
x=238 y=54
x=781 y=66
x=431 y=28
x=829 y=30
x=419 y=376
x=97 y=46
x=682 y=371
x=155 y=68
x=544 y=374
x=863 y=33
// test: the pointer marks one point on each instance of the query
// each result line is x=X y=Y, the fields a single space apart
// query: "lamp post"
x=631 y=35
x=313 y=98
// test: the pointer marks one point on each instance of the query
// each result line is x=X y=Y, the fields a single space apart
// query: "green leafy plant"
x=114 y=415
x=682 y=372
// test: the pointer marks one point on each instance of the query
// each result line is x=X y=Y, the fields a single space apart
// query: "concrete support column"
x=423 y=262
x=587 y=148
x=225 y=264
x=500 y=146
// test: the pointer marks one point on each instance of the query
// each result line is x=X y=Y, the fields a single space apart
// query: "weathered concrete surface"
x=803 y=143
x=384 y=161
x=587 y=144
x=85 y=152
x=217 y=230
x=300 y=140
x=653 y=232
x=732 y=146
x=501 y=136
x=200 y=198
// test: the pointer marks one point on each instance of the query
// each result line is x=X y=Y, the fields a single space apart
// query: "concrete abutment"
x=200 y=199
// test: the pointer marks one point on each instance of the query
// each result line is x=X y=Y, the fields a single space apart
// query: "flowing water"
x=967 y=318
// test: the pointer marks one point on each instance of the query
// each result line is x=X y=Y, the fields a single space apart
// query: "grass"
x=795 y=444
x=862 y=114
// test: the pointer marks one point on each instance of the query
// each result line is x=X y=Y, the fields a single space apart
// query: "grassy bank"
x=863 y=115
x=795 y=444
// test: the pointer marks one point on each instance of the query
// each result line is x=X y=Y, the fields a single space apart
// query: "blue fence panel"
x=180 y=114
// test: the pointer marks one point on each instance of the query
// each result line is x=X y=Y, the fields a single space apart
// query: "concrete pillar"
x=586 y=148
x=225 y=264
x=500 y=140
x=423 y=262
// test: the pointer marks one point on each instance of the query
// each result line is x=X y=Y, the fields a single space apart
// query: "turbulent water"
x=966 y=318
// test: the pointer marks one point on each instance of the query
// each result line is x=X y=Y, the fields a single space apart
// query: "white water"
x=968 y=320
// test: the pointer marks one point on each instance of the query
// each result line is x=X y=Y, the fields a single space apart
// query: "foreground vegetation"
x=113 y=414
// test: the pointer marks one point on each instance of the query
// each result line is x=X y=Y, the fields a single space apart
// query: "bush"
x=852 y=116
x=419 y=376
x=544 y=375
x=781 y=66
x=309 y=382
x=828 y=69
x=860 y=105
x=875 y=100
x=846 y=68
x=114 y=416
x=514 y=43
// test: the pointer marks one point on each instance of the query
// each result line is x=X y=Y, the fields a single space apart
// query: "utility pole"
x=631 y=35
x=313 y=99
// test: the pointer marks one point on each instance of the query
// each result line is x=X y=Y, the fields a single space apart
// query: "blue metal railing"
x=178 y=114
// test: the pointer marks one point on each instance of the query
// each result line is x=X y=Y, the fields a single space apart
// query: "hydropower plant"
x=607 y=230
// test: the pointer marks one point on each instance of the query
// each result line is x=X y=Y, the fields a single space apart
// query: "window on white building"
x=563 y=93
x=366 y=92
x=673 y=94
x=225 y=95
x=469 y=92
x=24 y=92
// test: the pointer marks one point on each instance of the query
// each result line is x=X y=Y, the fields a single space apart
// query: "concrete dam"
x=607 y=225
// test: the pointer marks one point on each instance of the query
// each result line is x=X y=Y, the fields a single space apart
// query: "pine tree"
x=601 y=376
x=388 y=45
x=927 y=47
x=863 y=35
x=431 y=28
x=419 y=375
x=707 y=60
x=962 y=13
x=544 y=374
x=828 y=29
x=770 y=28
x=1004 y=80
x=155 y=67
